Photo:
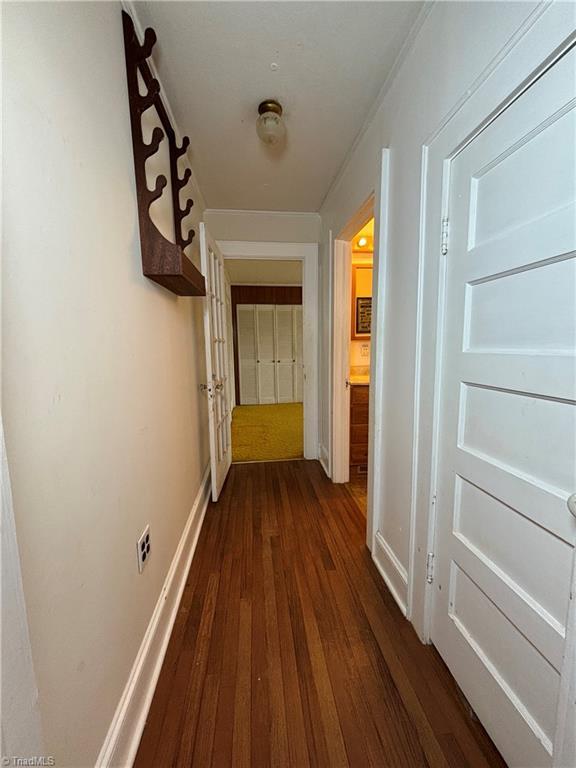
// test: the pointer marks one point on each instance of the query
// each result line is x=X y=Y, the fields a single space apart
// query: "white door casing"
x=217 y=361
x=308 y=254
x=506 y=461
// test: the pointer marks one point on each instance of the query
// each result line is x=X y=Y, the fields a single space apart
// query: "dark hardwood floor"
x=288 y=650
x=358 y=487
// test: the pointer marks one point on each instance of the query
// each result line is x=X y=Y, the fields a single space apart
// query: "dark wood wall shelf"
x=163 y=262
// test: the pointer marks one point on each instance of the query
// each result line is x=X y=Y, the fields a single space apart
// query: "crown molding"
x=405 y=49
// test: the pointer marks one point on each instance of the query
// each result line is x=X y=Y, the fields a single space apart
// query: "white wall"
x=453 y=45
x=263 y=272
x=105 y=428
x=263 y=226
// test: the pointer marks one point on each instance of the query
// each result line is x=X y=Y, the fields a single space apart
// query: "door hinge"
x=444 y=237
x=430 y=567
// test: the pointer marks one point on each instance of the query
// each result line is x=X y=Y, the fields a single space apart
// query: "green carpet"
x=267 y=432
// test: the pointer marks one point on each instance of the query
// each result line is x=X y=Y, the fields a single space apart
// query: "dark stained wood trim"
x=163 y=262
x=289 y=650
x=258 y=294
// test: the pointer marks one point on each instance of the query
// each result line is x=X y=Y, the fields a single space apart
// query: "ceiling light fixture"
x=269 y=125
x=362 y=242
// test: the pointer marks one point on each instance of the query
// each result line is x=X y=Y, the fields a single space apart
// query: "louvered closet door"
x=285 y=354
x=266 y=361
x=298 y=354
x=247 y=353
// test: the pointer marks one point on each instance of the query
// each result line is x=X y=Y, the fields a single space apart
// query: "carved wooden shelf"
x=163 y=262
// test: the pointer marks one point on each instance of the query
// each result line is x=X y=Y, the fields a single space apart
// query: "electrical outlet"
x=143 y=546
x=364 y=350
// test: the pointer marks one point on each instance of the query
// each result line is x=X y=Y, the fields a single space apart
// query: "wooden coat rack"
x=162 y=261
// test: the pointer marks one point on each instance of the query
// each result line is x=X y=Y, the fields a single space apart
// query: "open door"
x=217 y=361
x=341 y=364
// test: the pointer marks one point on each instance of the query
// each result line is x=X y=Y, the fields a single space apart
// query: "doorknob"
x=572 y=504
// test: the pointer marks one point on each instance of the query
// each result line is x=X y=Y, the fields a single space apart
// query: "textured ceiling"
x=215 y=58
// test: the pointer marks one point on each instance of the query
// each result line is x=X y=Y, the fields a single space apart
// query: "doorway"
x=352 y=323
x=266 y=319
x=266 y=260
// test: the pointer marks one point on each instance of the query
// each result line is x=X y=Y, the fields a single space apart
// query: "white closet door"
x=285 y=353
x=298 y=354
x=266 y=361
x=247 y=353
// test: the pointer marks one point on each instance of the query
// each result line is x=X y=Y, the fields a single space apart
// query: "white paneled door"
x=507 y=463
x=270 y=353
x=217 y=361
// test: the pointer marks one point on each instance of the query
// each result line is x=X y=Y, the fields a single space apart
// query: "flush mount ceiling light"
x=362 y=242
x=269 y=125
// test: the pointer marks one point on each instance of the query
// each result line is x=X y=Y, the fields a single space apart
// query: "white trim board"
x=391 y=570
x=123 y=737
x=307 y=253
x=249 y=212
x=252 y=249
x=376 y=457
x=324 y=459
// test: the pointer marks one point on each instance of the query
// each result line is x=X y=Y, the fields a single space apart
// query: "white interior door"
x=341 y=362
x=247 y=353
x=504 y=537
x=266 y=349
x=217 y=361
x=285 y=354
x=298 y=354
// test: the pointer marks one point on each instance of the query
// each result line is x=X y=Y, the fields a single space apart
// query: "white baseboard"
x=324 y=459
x=391 y=570
x=123 y=737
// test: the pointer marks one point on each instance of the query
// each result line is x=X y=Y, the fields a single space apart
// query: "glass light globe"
x=269 y=125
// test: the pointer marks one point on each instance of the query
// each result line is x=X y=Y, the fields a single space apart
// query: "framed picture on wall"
x=363 y=315
x=361 y=301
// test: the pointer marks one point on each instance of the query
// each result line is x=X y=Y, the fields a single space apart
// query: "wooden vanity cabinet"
x=359 y=399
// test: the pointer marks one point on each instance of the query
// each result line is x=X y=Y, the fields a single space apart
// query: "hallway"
x=289 y=650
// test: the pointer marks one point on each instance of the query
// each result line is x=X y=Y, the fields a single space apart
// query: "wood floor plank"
x=288 y=650
x=241 y=739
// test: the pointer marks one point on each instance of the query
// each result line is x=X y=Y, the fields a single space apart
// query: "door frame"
x=540 y=42
x=307 y=253
x=536 y=47
x=341 y=328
